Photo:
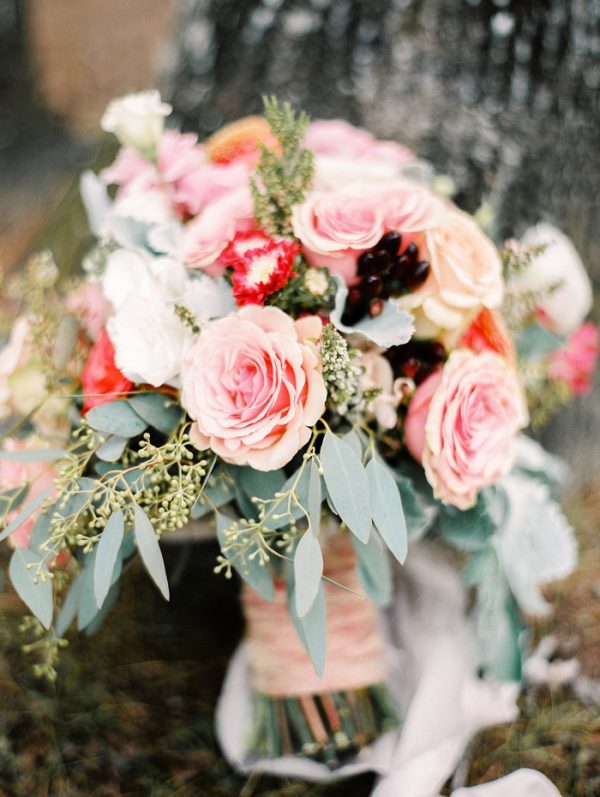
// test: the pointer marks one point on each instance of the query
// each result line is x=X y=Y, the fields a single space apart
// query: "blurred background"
x=502 y=95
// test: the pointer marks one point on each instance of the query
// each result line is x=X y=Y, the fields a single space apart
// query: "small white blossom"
x=137 y=120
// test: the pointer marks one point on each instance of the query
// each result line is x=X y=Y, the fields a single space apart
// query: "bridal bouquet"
x=289 y=333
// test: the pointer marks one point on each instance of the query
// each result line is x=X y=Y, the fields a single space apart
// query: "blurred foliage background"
x=502 y=95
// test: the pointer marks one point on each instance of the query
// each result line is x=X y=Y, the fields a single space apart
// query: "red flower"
x=261 y=265
x=575 y=363
x=101 y=379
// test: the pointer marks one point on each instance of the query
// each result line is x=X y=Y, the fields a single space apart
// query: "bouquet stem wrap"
x=296 y=711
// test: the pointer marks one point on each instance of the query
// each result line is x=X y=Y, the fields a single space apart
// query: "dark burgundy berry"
x=390 y=242
x=412 y=251
x=368 y=263
x=376 y=307
x=402 y=266
x=371 y=286
x=417 y=275
x=383 y=260
x=355 y=296
x=353 y=314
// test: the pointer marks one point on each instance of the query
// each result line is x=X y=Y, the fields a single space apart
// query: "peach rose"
x=466 y=274
x=463 y=420
x=252 y=383
x=15 y=474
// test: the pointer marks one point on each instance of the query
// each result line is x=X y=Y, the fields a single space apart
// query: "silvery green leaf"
x=308 y=569
x=374 y=570
x=41 y=455
x=37 y=597
x=116 y=417
x=88 y=609
x=354 y=442
x=536 y=544
x=419 y=506
x=26 y=512
x=470 y=530
x=66 y=340
x=70 y=605
x=312 y=628
x=107 y=551
x=158 y=410
x=41 y=531
x=315 y=498
x=260 y=484
x=97 y=621
x=536 y=462
x=393 y=327
x=258 y=576
x=386 y=509
x=149 y=549
x=112 y=448
x=14 y=497
x=347 y=485
x=496 y=619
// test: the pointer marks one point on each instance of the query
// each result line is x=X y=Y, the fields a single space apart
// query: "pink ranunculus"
x=206 y=237
x=89 y=304
x=337 y=137
x=472 y=411
x=129 y=167
x=209 y=182
x=576 y=362
x=15 y=474
x=253 y=385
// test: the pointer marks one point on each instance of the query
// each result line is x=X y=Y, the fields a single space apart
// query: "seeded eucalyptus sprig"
x=282 y=177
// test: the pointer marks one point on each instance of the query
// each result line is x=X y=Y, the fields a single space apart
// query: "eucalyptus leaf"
x=158 y=410
x=15 y=496
x=392 y=327
x=37 y=597
x=308 y=569
x=27 y=511
x=354 y=442
x=419 y=507
x=258 y=576
x=260 y=484
x=347 y=485
x=70 y=605
x=41 y=531
x=219 y=492
x=315 y=498
x=88 y=610
x=374 y=570
x=470 y=529
x=116 y=417
x=38 y=455
x=312 y=628
x=97 y=621
x=386 y=509
x=107 y=551
x=278 y=517
x=79 y=498
x=149 y=549
x=536 y=342
x=112 y=448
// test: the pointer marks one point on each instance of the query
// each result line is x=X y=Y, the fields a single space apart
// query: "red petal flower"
x=261 y=265
x=101 y=379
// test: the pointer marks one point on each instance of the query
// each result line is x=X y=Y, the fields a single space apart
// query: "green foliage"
x=312 y=628
x=107 y=551
x=471 y=529
x=386 y=508
x=32 y=583
x=374 y=570
x=310 y=291
x=308 y=569
x=282 y=178
x=150 y=550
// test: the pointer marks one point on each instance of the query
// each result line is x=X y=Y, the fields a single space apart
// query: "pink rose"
x=206 y=237
x=129 y=167
x=252 y=383
x=466 y=274
x=337 y=137
x=15 y=474
x=576 y=362
x=464 y=420
x=336 y=227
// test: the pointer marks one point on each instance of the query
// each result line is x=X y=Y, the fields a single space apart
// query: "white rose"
x=150 y=206
x=208 y=297
x=559 y=265
x=137 y=120
x=135 y=271
x=149 y=339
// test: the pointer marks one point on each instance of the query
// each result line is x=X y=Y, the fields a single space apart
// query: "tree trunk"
x=503 y=96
